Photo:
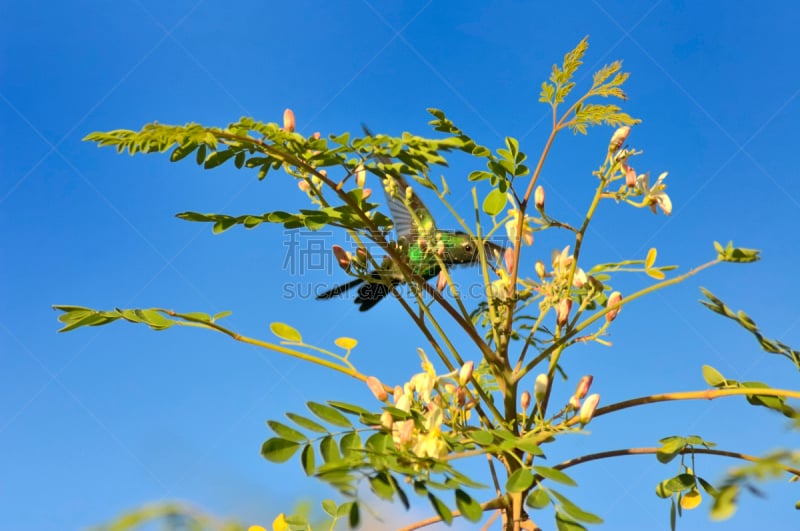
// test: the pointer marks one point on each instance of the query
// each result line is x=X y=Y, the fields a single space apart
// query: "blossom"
x=525 y=400
x=540 y=386
x=538 y=198
x=618 y=138
x=540 y=269
x=583 y=386
x=654 y=195
x=342 y=256
x=579 y=279
x=377 y=389
x=465 y=373
x=613 y=299
x=288 y=120
x=630 y=176
x=588 y=407
x=511 y=227
x=431 y=444
x=562 y=312
x=361 y=175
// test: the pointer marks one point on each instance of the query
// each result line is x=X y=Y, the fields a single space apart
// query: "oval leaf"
x=494 y=202
x=538 y=499
x=521 y=479
x=469 y=507
x=441 y=509
x=691 y=499
x=554 y=475
x=278 y=450
x=712 y=376
x=285 y=332
x=284 y=431
x=330 y=415
x=346 y=343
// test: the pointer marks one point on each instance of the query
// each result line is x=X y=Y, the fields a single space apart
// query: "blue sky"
x=100 y=420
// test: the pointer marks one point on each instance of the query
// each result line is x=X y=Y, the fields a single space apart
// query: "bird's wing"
x=404 y=221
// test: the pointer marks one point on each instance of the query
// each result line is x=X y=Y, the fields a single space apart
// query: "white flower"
x=654 y=195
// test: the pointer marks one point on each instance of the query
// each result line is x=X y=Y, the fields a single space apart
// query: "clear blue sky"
x=101 y=420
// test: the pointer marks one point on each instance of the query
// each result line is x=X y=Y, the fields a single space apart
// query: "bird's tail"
x=338 y=290
x=372 y=293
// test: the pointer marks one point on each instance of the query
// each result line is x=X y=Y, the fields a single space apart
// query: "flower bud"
x=540 y=269
x=540 y=387
x=579 y=278
x=361 y=175
x=630 y=177
x=613 y=299
x=398 y=392
x=508 y=258
x=460 y=396
x=365 y=193
x=574 y=403
x=562 y=313
x=525 y=400
x=288 y=120
x=405 y=432
x=583 y=386
x=303 y=185
x=409 y=193
x=342 y=256
x=618 y=138
x=377 y=389
x=316 y=135
x=465 y=373
x=538 y=198
x=588 y=407
x=387 y=420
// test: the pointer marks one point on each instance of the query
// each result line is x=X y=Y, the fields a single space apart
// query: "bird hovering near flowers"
x=418 y=241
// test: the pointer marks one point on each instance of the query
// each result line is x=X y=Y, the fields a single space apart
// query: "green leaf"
x=329 y=414
x=712 y=376
x=278 y=450
x=520 y=480
x=349 y=408
x=494 y=202
x=574 y=511
x=329 y=506
x=353 y=516
x=565 y=523
x=680 y=483
x=306 y=423
x=284 y=431
x=554 y=475
x=469 y=507
x=724 y=505
x=484 y=438
x=286 y=332
x=538 y=499
x=441 y=509
x=671 y=446
x=381 y=486
x=307 y=459
x=350 y=443
x=329 y=450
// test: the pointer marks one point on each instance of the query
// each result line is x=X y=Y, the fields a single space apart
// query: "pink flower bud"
x=303 y=185
x=342 y=256
x=405 y=432
x=618 y=138
x=508 y=258
x=583 y=386
x=460 y=396
x=588 y=407
x=525 y=400
x=630 y=176
x=540 y=269
x=288 y=120
x=538 y=198
x=574 y=403
x=465 y=373
x=316 y=135
x=398 y=392
x=562 y=313
x=540 y=386
x=527 y=237
x=613 y=299
x=365 y=193
x=441 y=281
x=377 y=389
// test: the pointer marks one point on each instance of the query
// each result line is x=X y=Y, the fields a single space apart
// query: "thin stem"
x=496 y=503
x=706 y=394
x=652 y=450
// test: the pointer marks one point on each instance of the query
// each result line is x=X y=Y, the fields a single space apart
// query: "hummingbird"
x=418 y=241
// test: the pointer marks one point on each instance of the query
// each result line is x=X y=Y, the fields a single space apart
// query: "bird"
x=418 y=241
